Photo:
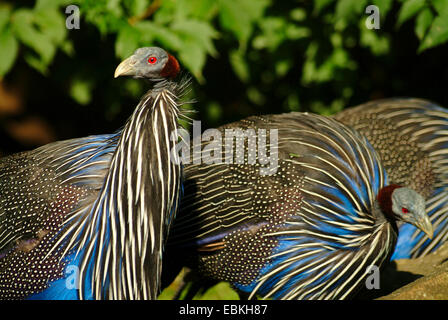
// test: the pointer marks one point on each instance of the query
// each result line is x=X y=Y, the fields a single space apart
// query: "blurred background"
x=247 y=57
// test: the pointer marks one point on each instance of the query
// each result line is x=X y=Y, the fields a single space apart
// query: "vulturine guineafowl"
x=411 y=137
x=88 y=218
x=310 y=227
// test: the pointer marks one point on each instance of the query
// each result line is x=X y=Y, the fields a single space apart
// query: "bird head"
x=404 y=204
x=152 y=63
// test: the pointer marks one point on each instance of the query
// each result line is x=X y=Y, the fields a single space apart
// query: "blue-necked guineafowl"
x=310 y=227
x=411 y=137
x=88 y=218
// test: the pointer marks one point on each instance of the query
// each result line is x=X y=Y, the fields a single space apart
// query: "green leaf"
x=314 y=72
x=441 y=7
x=273 y=33
x=203 y=9
x=319 y=5
x=127 y=41
x=8 y=53
x=294 y=32
x=5 y=14
x=150 y=32
x=214 y=111
x=255 y=8
x=383 y=5
x=219 y=292
x=51 y=22
x=199 y=32
x=45 y=4
x=193 y=58
x=36 y=63
x=255 y=96
x=235 y=19
x=423 y=21
x=239 y=17
x=167 y=13
x=107 y=16
x=41 y=43
x=169 y=38
x=173 y=10
x=293 y=102
x=137 y=7
x=239 y=65
x=52 y=4
x=114 y=8
x=409 y=9
x=378 y=43
x=437 y=34
x=282 y=67
x=349 y=9
x=81 y=91
x=298 y=14
x=147 y=30
x=67 y=48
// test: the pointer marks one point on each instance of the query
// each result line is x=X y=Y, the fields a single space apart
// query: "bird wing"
x=37 y=184
x=40 y=192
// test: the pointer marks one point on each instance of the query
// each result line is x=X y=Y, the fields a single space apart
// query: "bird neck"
x=382 y=218
x=384 y=201
x=147 y=141
x=151 y=177
x=130 y=218
x=153 y=122
x=382 y=208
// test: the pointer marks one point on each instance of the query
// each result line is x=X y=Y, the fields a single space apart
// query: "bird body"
x=411 y=138
x=310 y=229
x=87 y=218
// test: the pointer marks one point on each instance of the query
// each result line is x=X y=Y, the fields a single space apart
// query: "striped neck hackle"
x=126 y=227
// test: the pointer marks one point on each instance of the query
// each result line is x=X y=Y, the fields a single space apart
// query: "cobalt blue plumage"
x=411 y=136
x=310 y=229
x=88 y=218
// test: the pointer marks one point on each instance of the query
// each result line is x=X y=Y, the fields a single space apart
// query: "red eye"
x=152 y=60
x=404 y=210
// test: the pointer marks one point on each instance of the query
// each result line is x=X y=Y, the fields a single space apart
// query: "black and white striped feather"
x=127 y=187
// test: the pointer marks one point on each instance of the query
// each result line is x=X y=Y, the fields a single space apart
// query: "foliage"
x=249 y=56
x=261 y=39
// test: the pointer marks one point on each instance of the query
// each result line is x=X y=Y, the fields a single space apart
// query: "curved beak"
x=125 y=68
x=425 y=225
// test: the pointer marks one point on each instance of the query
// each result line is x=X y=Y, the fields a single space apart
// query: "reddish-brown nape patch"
x=171 y=68
x=384 y=198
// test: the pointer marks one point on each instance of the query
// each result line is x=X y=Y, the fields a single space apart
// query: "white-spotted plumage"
x=135 y=220
x=116 y=229
x=308 y=231
x=411 y=136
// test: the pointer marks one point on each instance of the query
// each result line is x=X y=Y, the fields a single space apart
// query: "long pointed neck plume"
x=148 y=178
x=120 y=241
x=126 y=228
